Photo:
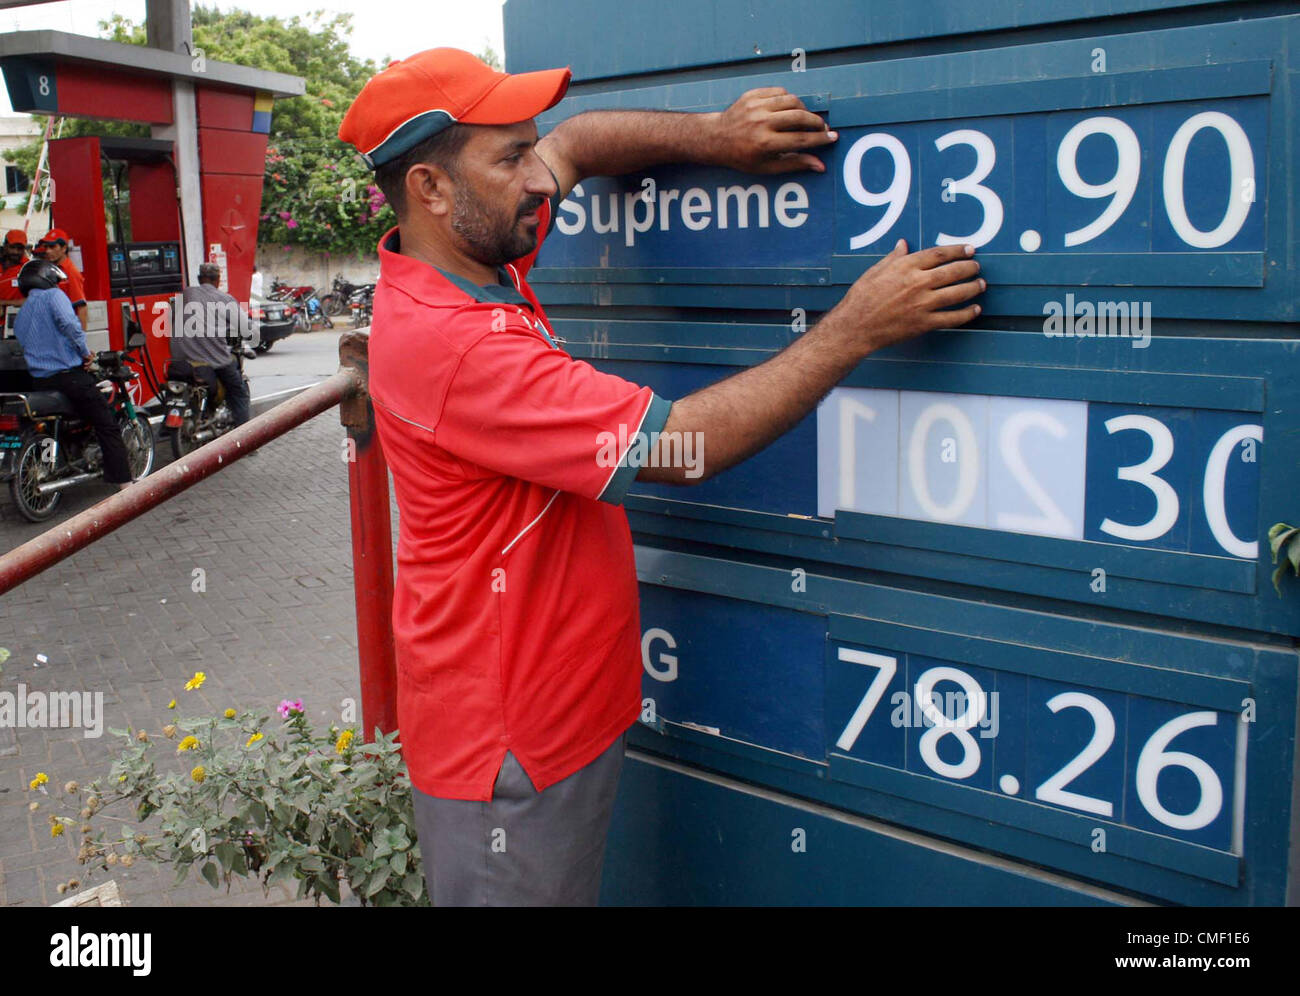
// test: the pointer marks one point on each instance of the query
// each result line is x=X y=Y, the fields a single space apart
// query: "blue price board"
x=693 y=677
x=672 y=216
x=1182 y=177
x=1177 y=479
x=1126 y=759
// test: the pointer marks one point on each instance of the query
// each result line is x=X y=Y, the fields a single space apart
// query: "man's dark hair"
x=442 y=149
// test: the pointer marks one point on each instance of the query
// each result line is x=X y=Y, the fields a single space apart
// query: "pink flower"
x=285 y=216
x=290 y=224
x=287 y=707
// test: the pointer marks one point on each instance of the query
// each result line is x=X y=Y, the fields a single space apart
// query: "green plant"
x=1284 y=540
x=285 y=805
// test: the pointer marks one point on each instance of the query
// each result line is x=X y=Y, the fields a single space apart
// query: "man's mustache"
x=531 y=205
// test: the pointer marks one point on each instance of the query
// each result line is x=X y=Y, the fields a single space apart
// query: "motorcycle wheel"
x=138 y=437
x=182 y=439
x=333 y=304
x=29 y=471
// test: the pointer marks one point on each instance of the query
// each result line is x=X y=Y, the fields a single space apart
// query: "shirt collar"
x=415 y=276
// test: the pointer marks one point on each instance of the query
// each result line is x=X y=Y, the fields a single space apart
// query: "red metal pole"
x=372 y=548
x=82 y=529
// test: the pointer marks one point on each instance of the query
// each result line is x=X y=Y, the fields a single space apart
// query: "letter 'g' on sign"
x=668 y=670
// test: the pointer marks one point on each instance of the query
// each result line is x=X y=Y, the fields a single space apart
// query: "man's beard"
x=492 y=240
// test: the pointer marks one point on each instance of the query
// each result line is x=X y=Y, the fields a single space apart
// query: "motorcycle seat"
x=49 y=403
x=180 y=370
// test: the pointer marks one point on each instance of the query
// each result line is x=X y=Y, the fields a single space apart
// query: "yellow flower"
x=253 y=739
x=121 y=778
x=189 y=743
x=344 y=742
x=196 y=682
x=198 y=774
x=171 y=704
x=40 y=779
x=56 y=830
x=229 y=714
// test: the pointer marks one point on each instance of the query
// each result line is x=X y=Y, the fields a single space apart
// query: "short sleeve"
x=520 y=407
x=74 y=287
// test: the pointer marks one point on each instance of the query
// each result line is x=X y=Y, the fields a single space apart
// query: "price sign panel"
x=1073 y=167
x=1094 y=746
x=1182 y=177
x=1007 y=590
x=1140 y=475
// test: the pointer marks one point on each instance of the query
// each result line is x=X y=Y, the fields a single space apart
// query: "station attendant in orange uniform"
x=54 y=247
x=13 y=254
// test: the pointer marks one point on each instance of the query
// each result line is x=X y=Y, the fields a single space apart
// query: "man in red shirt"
x=13 y=254
x=515 y=612
x=54 y=247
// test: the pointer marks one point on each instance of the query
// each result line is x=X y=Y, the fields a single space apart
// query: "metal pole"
x=372 y=546
x=82 y=529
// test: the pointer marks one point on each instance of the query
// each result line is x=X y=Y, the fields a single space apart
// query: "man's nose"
x=540 y=180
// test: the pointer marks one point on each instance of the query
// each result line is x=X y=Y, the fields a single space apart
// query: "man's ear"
x=430 y=187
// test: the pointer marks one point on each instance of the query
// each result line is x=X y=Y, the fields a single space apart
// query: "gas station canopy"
x=57 y=72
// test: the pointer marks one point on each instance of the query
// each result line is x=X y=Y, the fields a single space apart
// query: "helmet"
x=40 y=274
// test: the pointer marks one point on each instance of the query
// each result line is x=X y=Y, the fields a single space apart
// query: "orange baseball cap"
x=56 y=235
x=414 y=99
x=16 y=236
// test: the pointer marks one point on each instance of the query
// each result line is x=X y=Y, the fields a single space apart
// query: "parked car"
x=276 y=320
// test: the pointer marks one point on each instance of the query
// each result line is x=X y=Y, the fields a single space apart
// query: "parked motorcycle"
x=337 y=300
x=46 y=448
x=311 y=314
x=360 y=304
x=192 y=417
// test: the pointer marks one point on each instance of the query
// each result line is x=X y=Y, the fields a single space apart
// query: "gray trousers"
x=524 y=848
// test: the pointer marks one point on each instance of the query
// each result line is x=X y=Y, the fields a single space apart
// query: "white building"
x=16 y=130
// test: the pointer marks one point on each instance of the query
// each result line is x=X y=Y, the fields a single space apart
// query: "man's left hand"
x=765 y=131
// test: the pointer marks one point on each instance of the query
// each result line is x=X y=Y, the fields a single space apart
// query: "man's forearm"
x=737 y=417
x=610 y=143
x=767 y=130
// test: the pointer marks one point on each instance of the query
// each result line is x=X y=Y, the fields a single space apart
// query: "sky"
x=380 y=28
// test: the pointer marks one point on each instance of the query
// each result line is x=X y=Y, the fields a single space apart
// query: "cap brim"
x=520 y=97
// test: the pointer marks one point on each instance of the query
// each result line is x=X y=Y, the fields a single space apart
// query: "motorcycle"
x=192 y=418
x=360 y=304
x=340 y=296
x=310 y=311
x=46 y=448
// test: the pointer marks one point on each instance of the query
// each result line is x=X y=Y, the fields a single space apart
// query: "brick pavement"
x=277 y=620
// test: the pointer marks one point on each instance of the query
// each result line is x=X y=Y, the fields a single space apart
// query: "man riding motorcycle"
x=207 y=353
x=54 y=346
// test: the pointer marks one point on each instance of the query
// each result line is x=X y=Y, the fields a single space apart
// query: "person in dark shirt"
x=54 y=346
x=209 y=319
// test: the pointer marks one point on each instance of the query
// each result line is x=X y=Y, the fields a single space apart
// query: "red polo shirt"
x=74 y=286
x=515 y=614
x=9 y=283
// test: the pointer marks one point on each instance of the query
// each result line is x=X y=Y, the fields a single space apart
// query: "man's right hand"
x=905 y=294
x=88 y=361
